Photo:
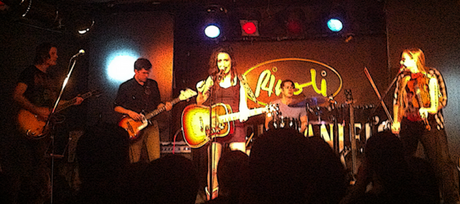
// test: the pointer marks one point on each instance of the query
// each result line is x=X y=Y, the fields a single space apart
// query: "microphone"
x=80 y=52
x=402 y=69
x=219 y=74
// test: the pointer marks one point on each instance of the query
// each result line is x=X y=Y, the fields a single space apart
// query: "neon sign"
x=311 y=78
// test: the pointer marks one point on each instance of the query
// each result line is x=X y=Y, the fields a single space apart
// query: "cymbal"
x=311 y=101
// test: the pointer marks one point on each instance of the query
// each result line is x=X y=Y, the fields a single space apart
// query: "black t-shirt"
x=139 y=98
x=41 y=87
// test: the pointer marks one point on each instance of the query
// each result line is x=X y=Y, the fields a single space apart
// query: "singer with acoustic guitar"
x=36 y=93
x=136 y=97
x=224 y=86
x=420 y=95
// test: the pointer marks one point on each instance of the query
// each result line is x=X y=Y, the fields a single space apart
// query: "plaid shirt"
x=442 y=94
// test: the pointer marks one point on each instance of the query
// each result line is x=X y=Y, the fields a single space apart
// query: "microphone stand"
x=378 y=94
x=381 y=98
x=56 y=103
x=211 y=150
x=335 y=130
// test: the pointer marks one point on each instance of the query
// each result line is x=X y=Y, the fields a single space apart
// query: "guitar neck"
x=159 y=110
x=72 y=101
x=236 y=116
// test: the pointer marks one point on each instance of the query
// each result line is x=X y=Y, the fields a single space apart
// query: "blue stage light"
x=335 y=25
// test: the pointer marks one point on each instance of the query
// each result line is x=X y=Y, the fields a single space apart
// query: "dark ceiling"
x=61 y=14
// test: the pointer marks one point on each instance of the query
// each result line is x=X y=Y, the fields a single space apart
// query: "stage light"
x=39 y=13
x=337 y=19
x=335 y=25
x=3 y=6
x=120 y=65
x=214 y=21
x=84 y=27
x=294 y=27
x=212 y=31
x=295 y=19
x=249 y=27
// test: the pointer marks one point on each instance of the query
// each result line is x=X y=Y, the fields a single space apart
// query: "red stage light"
x=249 y=27
x=294 y=27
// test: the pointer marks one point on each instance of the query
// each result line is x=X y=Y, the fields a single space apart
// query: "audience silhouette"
x=102 y=154
x=107 y=176
x=387 y=176
x=232 y=173
x=286 y=167
x=169 y=179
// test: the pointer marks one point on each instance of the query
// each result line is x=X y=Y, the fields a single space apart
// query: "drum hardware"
x=280 y=122
x=309 y=101
x=319 y=122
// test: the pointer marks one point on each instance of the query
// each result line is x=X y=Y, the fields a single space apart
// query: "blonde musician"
x=419 y=97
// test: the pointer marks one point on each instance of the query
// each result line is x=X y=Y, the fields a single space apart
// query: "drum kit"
x=324 y=117
x=319 y=112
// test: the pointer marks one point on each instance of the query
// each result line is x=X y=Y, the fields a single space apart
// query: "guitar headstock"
x=186 y=94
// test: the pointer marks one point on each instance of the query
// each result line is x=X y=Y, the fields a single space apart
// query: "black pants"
x=436 y=150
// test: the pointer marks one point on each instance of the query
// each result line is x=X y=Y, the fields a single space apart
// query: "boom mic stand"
x=381 y=98
x=49 y=122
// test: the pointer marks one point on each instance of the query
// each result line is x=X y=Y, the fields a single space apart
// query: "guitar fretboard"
x=236 y=116
x=158 y=111
x=72 y=101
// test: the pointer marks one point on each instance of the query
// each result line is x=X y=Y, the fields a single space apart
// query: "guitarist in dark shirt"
x=135 y=97
x=35 y=93
x=36 y=90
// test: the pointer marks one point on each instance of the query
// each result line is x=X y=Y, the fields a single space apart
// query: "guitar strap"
x=248 y=89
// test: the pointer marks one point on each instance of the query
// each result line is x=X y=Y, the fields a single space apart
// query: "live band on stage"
x=229 y=110
x=326 y=118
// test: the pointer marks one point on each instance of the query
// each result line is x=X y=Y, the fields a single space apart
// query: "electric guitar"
x=134 y=127
x=33 y=127
x=195 y=122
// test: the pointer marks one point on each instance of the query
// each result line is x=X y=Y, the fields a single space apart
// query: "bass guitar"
x=34 y=127
x=134 y=127
x=195 y=122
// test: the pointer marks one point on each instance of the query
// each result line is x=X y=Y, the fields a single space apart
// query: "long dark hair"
x=212 y=64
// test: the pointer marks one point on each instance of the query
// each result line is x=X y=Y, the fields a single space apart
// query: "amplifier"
x=179 y=147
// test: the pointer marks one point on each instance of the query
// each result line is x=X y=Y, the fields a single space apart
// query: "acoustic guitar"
x=196 y=126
